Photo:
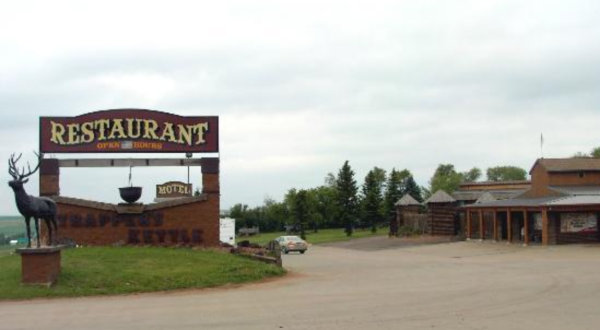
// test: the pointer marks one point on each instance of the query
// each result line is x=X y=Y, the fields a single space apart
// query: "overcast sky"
x=302 y=86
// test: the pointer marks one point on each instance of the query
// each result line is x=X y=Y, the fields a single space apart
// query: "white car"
x=292 y=243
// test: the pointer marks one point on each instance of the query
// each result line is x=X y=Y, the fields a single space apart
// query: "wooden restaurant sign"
x=129 y=130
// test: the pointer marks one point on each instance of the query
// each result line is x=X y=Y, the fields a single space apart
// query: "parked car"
x=292 y=243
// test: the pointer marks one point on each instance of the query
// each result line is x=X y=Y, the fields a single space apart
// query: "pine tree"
x=411 y=188
x=346 y=191
x=395 y=189
x=372 y=200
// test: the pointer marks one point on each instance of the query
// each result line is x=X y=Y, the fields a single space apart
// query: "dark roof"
x=485 y=198
x=517 y=202
x=407 y=200
x=496 y=183
x=575 y=200
x=577 y=190
x=544 y=201
x=472 y=195
x=440 y=196
x=568 y=164
x=571 y=195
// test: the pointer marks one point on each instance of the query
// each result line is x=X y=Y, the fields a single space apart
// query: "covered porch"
x=546 y=221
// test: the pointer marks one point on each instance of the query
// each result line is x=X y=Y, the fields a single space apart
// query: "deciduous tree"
x=506 y=173
x=472 y=175
x=445 y=178
x=301 y=211
x=323 y=200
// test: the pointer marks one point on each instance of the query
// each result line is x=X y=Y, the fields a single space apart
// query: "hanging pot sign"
x=173 y=189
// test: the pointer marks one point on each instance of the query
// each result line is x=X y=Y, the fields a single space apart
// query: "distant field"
x=12 y=225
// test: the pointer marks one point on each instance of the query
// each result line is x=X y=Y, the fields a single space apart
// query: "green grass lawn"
x=110 y=270
x=323 y=236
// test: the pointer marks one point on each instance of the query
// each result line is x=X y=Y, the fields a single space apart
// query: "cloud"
x=303 y=86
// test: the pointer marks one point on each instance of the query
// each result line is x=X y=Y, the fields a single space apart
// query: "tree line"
x=341 y=203
x=338 y=202
x=594 y=153
x=447 y=178
x=5 y=238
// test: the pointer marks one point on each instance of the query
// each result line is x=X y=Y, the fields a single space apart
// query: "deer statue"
x=29 y=206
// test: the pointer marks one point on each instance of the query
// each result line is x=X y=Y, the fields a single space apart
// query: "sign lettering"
x=147 y=229
x=129 y=130
x=173 y=189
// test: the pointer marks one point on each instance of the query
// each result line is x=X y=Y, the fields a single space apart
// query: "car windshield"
x=294 y=239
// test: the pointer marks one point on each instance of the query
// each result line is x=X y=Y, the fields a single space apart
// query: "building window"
x=581 y=174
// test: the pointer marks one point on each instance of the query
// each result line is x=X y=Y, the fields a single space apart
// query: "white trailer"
x=227 y=231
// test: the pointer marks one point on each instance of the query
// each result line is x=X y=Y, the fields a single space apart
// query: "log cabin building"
x=442 y=213
x=483 y=192
x=473 y=192
x=561 y=206
x=442 y=209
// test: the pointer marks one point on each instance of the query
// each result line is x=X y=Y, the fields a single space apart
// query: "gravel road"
x=462 y=285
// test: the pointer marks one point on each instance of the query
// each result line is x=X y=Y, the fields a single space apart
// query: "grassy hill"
x=12 y=225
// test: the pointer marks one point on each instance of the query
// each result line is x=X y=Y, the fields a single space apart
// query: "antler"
x=12 y=166
x=22 y=176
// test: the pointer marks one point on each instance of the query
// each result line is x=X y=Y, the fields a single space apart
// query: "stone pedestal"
x=40 y=265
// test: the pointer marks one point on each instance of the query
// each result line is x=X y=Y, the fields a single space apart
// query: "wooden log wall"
x=475 y=228
x=418 y=222
x=554 y=227
x=488 y=220
x=573 y=238
x=444 y=219
x=406 y=211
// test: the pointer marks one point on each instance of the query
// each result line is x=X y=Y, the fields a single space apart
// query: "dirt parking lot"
x=462 y=285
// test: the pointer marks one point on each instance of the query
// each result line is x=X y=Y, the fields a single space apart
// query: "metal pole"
x=188 y=155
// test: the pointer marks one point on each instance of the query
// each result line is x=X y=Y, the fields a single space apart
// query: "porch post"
x=508 y=227
x=545 y=227
x=481 y=229
x=495 y=226
x=525 y=229
x=468 y=224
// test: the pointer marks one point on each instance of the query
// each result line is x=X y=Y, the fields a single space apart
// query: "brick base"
x=40 y=265
x=191 y=221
